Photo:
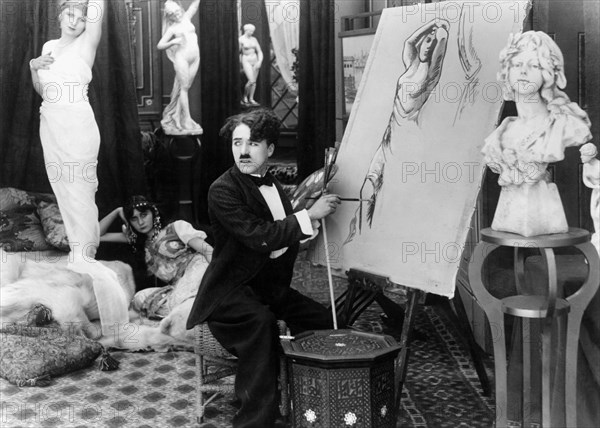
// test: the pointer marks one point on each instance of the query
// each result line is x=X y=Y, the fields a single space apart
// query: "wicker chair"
x=209 y=353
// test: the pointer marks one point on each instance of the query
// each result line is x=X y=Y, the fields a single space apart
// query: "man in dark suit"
x=246 y=288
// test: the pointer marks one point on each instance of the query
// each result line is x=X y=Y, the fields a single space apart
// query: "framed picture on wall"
x=355 y=52
x=357 y=35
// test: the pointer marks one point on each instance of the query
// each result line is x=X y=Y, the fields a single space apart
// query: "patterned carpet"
x=158 y=389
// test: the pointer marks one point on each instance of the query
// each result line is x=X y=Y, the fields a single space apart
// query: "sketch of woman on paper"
x=423 y=57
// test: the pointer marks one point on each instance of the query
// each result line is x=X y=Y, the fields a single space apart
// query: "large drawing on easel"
x=411 y=150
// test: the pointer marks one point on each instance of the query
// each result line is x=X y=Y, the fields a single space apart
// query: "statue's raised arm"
x=192 y=9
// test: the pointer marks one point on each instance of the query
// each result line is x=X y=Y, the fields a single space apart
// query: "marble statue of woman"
x=180 y=41
x=251 y=58
x=520 y=149
x=591 y=178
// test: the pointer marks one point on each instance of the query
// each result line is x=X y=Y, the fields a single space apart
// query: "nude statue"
x=251 y=58
x=180 y=41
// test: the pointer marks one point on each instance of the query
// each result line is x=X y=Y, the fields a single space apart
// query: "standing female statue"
x=591 y=178
x=180 y=41
x=521 y=148
x=251 y=58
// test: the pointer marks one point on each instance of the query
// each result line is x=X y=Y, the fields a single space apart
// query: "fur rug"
x=34 y=292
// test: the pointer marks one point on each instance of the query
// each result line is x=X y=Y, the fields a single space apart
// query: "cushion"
x=11 y=198
x=21 y=230
x=53 y=225
x=30 y=356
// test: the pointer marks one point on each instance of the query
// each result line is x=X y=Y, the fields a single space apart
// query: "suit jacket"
x=245 y=234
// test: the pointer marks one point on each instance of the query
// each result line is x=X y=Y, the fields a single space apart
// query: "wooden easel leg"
x=409 y=321
x=457 y=307
x=392 y=310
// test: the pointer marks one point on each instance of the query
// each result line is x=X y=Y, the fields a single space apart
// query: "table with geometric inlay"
x=342 y=378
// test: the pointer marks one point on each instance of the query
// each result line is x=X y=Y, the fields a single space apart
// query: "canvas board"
x=426 y=102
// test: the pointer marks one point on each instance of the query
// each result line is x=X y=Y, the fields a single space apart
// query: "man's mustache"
x=245 y=157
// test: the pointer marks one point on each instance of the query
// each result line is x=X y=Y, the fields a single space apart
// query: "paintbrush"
x=346 y=199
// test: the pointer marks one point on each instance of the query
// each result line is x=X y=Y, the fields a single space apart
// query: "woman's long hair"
x=550 y=58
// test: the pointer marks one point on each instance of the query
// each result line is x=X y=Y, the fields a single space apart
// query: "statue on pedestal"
x=251 y=58
x=591 y=178
x=521 y=148
x=180 y=41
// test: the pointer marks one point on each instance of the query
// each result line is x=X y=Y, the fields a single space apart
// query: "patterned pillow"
x=30 y=356
x=11 y=198
x=20 y=230
x=53 y=225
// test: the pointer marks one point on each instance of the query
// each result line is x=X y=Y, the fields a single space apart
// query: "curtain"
x=221 y=91
x=316 y=121
x=26 y=26
x=284 y=23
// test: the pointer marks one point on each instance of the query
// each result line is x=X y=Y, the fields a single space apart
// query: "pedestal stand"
x=185 y=149
x=546 y=308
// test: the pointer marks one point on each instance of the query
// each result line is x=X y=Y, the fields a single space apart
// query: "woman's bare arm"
x=107 y=221
x=200 y=246
x=110 y=218
x=96 y=9
x=40 y=63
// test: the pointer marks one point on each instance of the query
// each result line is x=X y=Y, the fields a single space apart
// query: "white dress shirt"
x=273 y=200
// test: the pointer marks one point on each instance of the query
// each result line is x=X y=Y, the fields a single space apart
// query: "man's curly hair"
x=263 y=124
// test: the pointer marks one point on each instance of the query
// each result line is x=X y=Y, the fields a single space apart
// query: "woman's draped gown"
x=71 y=141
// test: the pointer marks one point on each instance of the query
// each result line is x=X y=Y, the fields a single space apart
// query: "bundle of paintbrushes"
x=330 y=157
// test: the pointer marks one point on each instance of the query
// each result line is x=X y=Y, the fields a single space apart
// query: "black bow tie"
x=267 y=180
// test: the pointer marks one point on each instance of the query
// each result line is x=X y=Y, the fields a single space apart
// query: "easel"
x=366 y=287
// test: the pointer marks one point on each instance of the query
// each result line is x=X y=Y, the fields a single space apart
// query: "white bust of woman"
x=521 y=148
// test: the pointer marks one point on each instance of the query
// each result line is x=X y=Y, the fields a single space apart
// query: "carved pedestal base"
x=184 y=148
x=530 y=210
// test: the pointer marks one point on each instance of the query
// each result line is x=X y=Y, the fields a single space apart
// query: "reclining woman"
x=177 y=254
